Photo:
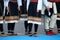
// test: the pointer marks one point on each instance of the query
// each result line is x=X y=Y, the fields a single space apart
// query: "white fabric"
x=50 y=4
x=28 y=1
x=6 y=2
x=14 y=21
x=46 y=21
x=58 y=18
x=23 y=19
x=34 y=22
x=54 y=7
x=39 y=6
x=40 y=3
x=51 y=22
x=19 y=2
x=5 y=5
x=45 y=2
x=1 y=21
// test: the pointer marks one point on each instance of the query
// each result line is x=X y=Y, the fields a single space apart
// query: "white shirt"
x=19 y=2
x=6 y=2
x=40 y=3
x=28 y=1
x=53 y=5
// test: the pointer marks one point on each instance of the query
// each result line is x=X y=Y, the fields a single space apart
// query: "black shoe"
x=2 y=33
x=12 y=33
x=35 y=34
x=58 y=31
x=9 y=33
x=30 y=34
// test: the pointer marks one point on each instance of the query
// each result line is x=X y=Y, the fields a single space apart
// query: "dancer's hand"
x=19 y=8
x=37 y=10
x=48 y=8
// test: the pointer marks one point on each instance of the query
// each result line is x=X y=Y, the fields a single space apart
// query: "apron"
x=13 y=14
x=33 y=16
x=23 y=15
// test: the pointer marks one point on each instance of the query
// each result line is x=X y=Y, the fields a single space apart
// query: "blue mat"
x=25 y=37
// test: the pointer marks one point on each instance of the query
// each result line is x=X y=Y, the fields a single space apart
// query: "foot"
x=50 y=32
x=12 y=33
x=34 y=34
x=58 y=31
x=26 y=33
x=9 y=33
x=2 y=34
x=30 y=34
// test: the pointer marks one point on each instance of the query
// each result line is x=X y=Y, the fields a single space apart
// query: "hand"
x=37 y=10
x=19 y=8
x=48 y=8
x=8 y=9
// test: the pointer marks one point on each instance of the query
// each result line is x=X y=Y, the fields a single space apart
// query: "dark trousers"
x=1 y=6
x=11 y=26
x=26 y=26
x=1 y=27
x=58 y=25
x=35 y=27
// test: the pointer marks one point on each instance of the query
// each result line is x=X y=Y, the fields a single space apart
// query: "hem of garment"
x=14 y=21
x=39 y=23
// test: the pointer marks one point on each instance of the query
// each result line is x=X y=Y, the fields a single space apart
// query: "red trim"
x=33 y=0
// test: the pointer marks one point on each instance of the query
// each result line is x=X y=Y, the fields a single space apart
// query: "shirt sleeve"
x=45 y=2
x=6 y=3
x=19 y=2
x=28 y=2
x=39 y=5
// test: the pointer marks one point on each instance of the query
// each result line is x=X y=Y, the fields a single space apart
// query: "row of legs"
x=10 y=28
x=28 y=27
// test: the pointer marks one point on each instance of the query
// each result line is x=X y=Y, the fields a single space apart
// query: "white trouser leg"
x=53 y=21
x=47 y=20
